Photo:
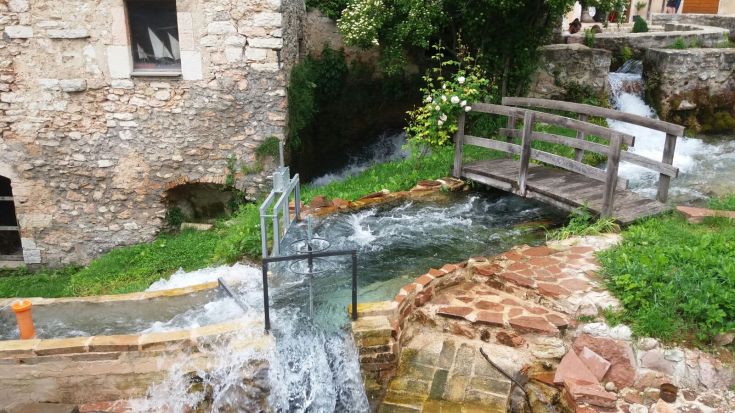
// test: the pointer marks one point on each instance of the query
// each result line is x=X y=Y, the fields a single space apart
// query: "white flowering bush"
x=361 y=22
x=451 y=88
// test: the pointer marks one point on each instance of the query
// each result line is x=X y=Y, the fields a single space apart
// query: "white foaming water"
x=386 y=148
x=179 y=279
x=705 y=168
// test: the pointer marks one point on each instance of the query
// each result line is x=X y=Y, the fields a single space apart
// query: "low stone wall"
x=568 y=65
x=704 y=36
x=692 y=87
x=714 y=20
x=106 y=368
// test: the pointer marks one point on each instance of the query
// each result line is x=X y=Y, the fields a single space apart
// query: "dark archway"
x=10 y=245
x=202 y=202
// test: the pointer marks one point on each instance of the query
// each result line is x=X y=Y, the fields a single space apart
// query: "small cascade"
x=706 y=167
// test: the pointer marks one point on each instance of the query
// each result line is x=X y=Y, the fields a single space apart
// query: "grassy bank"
x=676 y=280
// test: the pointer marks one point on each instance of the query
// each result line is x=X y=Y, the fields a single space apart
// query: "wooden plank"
x=492 y=144
x=664 y=181
x=613 y=161
x=588 y=128
x=591 y=110
x=574 y=166
x=626 y=156
x=6 y=198
x=526 y=138
x=497 y=109
x=579 y=153
x=511 y=125
x=458 y=145
x=9 y=228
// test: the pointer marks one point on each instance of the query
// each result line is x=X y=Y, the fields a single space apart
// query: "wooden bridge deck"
x=561 y=188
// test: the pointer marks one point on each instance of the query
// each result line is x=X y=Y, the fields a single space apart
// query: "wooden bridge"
x=567 y=183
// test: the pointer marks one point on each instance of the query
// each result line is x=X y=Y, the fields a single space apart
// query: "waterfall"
x=706 y=168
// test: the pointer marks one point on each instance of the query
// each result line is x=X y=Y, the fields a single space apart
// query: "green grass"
x=676 y=280
x=583 y=223
x=133 y=268
x=726 y=203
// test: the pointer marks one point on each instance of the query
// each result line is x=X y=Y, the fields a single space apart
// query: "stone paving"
x=445 y=376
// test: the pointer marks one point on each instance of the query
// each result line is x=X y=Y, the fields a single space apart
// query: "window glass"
x=154 y=35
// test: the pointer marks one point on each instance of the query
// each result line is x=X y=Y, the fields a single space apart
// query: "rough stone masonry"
x=90 y=147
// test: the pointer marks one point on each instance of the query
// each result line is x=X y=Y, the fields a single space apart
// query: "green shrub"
x=639 y=25
x=269 y=147
x=626 y=53
x=678 y=44
x=174 y=217
x=589 y=38
x=726 y=203
x=330 y=8
x=718 y=122
x=725 y=43
x=583 y=223
x=675 y=280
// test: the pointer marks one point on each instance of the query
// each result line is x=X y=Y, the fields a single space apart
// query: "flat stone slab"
x=697 y=215
x=41 y=408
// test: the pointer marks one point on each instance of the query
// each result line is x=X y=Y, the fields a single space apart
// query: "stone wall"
x=725 y=22
x=565 y=64
x=691 y=86
x=704 y=36
x=91 y=148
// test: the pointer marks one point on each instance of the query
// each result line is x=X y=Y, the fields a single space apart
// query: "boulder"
x=622 y=370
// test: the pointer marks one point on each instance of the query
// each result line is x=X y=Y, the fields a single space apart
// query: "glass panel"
x=154 y=35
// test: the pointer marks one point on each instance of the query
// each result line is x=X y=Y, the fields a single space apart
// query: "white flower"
x=429 y=99
x=455 y=99
x=437 y=108
x=444 y=98
x=461 y=80
x=444 y=86
x=463 y=103
x=440 y=122
x=467 y=108
x=443 y=117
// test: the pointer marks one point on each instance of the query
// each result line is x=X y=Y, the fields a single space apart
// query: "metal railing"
x=283 y=187
x=309 y=256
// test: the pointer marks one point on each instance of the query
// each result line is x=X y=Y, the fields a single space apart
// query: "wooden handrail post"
x=511 y=125
x=664 y=180
x=611 y=180
x=526 y=136
x=579 y=153
x=458 y=145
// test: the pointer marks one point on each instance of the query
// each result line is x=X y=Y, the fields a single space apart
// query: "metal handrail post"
x=266 y=304
x=354 y=285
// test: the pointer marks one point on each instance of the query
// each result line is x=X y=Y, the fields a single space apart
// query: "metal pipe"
x=354 y=285
x=266 y=304
x=234 y=296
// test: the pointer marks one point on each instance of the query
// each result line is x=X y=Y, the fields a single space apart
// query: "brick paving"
x=446 y=376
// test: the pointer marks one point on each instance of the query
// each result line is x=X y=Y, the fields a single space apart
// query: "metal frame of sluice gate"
x=309 y=257
x=284 y=186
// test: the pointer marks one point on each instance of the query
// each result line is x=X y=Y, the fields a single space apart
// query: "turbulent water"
x=386 y=148
x=707 y=167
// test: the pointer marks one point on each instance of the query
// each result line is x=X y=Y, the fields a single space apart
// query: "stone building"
x=107 y=105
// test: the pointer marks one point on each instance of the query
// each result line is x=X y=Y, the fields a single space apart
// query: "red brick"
x=513 y=256
x=593 y=394
x=551 y=290
x=449 y=268
x=517 y=266
x=457 y=312
x=543 y=261
x=594 y=362
x=533 y=324
x=400 y=297
x=490 y=318
x=516 y=279
x=465 y=299
x=538 y=251
x=436 y=273
x=581 y=250
x=409 y=288
x=509 y=338
x=489 y=305
x=575 y=284
x=462 y=264
x=441 y=300
x=424 y=280
x=557 y=320
x=487 y=270
x=572 y=367
x=537 y=310
x=509 y=301
x=515 y=312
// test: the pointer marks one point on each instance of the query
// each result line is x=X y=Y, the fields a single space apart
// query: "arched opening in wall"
x=10 y=245
x=200 y=203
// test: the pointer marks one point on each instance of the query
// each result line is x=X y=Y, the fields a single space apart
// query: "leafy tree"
x=505 y=33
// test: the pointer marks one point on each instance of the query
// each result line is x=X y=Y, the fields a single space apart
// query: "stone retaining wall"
x=723 y=21
x=91 y=147
x=704 y=36
x=691 y=86
x=570 y=65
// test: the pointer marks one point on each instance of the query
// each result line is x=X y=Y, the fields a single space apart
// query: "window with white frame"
x=154 y=35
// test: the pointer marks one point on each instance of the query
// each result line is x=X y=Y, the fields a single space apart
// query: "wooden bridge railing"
x=664 y=168
x=613 y=150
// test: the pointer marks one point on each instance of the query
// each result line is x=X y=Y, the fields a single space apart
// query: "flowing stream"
x=706 y=165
